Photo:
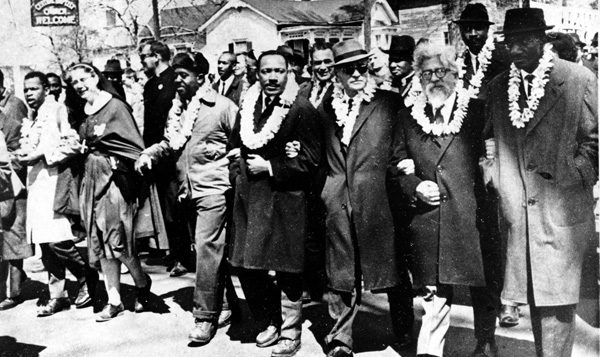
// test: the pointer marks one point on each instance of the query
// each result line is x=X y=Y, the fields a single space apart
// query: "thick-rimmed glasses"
x=439 y=72
x=362 y=68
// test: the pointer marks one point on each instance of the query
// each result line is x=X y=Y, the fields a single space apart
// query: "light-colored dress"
x=43 y=224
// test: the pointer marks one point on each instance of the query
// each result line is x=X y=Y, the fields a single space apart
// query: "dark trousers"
x=315 y=277
x=274 y=301
x=59 y=256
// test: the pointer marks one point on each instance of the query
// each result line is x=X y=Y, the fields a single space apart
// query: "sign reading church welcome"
x=54 y=12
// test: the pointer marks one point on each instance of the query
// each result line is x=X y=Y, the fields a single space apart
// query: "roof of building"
x=189 y=17
x=314 y=12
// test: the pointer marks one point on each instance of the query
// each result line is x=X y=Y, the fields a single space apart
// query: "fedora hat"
x=523 y=20
x=474 y=14
x=401 y=47
x=113 y=66
x=348 y=51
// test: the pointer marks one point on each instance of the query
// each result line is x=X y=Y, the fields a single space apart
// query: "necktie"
x=223 y=87
x=438 y=117
x=320 y=90
x=268 y=101
x=528 y=82
x=349 y=105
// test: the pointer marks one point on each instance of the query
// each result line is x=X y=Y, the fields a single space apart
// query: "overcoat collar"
x=366 y=108
x=553 y=91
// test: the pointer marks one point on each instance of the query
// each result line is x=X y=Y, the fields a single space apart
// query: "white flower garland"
x=179 y=127
x=254 y=140
x=541 y=75
x=484 y=58
x=314 y=99
x=414 y=92
x=345 y=117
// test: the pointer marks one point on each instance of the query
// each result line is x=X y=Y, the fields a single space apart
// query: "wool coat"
x=269 y=212
x=444 y=239
x=360 y=230
x=544 y=175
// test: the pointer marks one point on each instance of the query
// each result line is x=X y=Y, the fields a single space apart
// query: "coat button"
x=531 y=201
x=344 y=206
x=444 y=198
x=440 y=168
x=531 y=166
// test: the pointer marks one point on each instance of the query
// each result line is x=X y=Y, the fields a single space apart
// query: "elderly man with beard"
x=229 y=84
x=442 y=136
x=269 y=213
x=543 y=115
x=199 y=125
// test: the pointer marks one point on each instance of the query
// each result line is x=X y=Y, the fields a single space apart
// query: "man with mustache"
x=442 y=136
x=199 y=125
x=269 y=213
x=543 y=117
x=229 y=84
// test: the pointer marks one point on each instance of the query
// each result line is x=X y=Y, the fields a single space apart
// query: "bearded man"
x=269 y=213
x=442 y=137
x=543 y=115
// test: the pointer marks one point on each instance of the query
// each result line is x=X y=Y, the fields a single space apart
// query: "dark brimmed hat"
x=474 y=14
x=113 y=66
x=524 y=20
x=348 y=51
x=196 y=63
x=401 y=48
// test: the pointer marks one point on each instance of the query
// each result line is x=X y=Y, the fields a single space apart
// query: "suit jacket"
x=498 y=64
x=445 y=238
x=235 y=90
x=159 y=92
x=356 y=197
x=269 y=213
x=306 y=89
x=544 y=175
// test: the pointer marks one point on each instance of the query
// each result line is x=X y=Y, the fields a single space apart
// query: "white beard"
x=437 y=96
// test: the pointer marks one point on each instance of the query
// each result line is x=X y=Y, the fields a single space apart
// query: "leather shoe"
x=83 y=297
x=485 y=349
x=9 y=303
x=178 y=270
x=202 y=332
x=509 y=316
x=109 y=312
x=224 y=318
x=340 y=351
x=142 y=301
x=53 y=306
x=268 y=337
x=286 y=348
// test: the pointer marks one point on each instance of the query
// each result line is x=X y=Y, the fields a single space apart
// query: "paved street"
x=164 y=331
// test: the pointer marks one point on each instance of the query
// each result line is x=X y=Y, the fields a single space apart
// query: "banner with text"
x=54 y=12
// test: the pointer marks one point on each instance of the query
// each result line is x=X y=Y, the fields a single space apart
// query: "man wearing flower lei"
x=196 y=134
x=359 y=123
x=269 y=213
x=479 y=63
x=442 y=137
x=543 y=115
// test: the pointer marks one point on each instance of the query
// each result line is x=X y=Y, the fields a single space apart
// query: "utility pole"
x=368 y=4
x=156 y=20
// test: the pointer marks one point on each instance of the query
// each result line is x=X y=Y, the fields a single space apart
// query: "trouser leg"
x=343 y=307
x=262 y=295
x=400 y=299
x=435 y=321
x=485 y=309
x=16 y=275
x=210 y=253
x=553 y=330
x=4 y=269
x=291 y=304
x=56 y=272
x=66 y=252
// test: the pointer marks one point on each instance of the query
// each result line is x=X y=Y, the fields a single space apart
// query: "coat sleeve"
x=586 y=156
x=235 y=142
x=406 y=183
x=4 y=163
x=286 y=169
x=488 y=167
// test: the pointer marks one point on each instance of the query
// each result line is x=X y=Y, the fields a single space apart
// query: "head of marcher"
x=321 y=61
x=226 y=65
x=240 y=65
x=190 y=73
x=524 y=36
x=35 y=88
x=155 y=55
x=54 y=84
x=251 y=69
x=474 y=24
x=401 y=55
x=436 y=68
x=113 y=71
x=88 y=82
x=351 y=63
x=272 y=72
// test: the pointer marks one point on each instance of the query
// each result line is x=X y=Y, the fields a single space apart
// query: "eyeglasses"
x=349 y=70
x=439 y=72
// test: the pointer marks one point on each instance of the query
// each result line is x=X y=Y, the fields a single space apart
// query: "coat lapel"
x=363 y=113
x=553 y=91
x=446 y=140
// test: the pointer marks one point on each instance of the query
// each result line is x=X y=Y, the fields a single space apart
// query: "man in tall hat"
x=360 y=129
x=400 y=63
x=543 y=115
x=114 y=73
x=269 y=213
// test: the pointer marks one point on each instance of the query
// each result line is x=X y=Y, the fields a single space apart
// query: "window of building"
x=239 y=46
x=111 y=18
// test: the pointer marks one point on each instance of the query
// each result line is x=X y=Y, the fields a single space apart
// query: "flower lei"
x=345 y=118
x=484 y=58
x=541 y=75
x=314 y=99
x=179 y=127
x=414 y=92
x=254 y=140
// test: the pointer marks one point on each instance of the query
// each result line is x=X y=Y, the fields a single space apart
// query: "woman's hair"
x=563 y=45
x=103 y=83
x=425 y=51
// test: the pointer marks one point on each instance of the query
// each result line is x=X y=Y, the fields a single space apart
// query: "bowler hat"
x=348 y=51
x=112 y=66
x=523 y=20
x=401 y=48
x=474 y=14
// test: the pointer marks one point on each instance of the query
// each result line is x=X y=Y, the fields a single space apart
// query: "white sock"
x=114 y=298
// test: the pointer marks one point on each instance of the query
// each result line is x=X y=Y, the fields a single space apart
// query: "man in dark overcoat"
x=546 y=157
x=269 y=213
x=443 y=139
x=360 y=125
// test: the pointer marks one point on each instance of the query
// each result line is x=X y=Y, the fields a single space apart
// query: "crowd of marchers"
x=472 y=169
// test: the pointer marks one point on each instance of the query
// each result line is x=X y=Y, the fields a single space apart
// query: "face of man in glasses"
x=149 y=59
x=322 y=61
x=353 y=76
x=442 y=82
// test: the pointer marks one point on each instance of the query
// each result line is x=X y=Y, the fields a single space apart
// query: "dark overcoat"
x=269 y=212
x=235 y=90
x=445 y=239
x=360 y=229
x=545 y=174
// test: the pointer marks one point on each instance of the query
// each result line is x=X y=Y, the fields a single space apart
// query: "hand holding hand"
x=256 y=164
x=406 y=167
x=143 y=163
x=292 y=149
x=428 y=192
x=490 y=149
x=233 y=155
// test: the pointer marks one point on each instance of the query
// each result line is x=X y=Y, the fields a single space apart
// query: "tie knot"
x=438 y=117
x=529 y=78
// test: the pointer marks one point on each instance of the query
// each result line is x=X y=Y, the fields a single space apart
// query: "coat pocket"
x=570 y=205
